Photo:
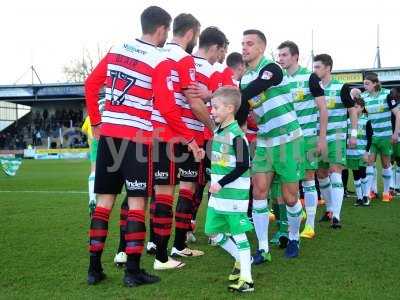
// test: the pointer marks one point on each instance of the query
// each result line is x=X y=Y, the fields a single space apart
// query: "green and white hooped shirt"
x=233 y=197
x=379 y=112
x=275 y=115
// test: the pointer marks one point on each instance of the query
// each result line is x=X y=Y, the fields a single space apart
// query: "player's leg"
x=337 y=194
x=136 y=170
x=309 y=187
x=281 y=237
x=165 y=177
x=261 y=180
x=358 y=185
x=120 y=257
x=387 y=177
x=151 y=245
x=107 y=186
x=310 y=203
x=290 y=171
x=204 y=178
x=93 y=156
x=189 y=177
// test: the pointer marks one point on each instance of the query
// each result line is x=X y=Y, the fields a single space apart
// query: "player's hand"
x=197 y=151
x=321 y=146
x=96 y=131
x=214 y=188
x=352 y=142
x=199 y=91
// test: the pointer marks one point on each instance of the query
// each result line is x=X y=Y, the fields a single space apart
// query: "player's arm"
x=164 y=101
x=270 y=75
x=348 y=102
x=93 y=83
x=242 y=164
x=318 y=93
x=186 y=70
x=392 y=101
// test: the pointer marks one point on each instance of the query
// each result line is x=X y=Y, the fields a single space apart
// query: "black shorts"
x=188 y=167
x=122 y=162
x=165 y=169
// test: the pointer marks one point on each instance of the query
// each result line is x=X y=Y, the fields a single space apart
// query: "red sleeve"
x=164 y=100
x=215 y=81
x=94 y=82
x=186 y=71
x=227 y=76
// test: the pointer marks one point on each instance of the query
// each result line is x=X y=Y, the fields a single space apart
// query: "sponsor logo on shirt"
x=135 y=185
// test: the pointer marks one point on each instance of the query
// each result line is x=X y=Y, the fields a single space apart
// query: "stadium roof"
x=29 y=94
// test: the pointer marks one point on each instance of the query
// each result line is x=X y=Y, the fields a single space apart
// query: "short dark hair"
x=154 y=17
x=293 y=48
x=258 y=33
x=211 y=36
x=234 y=59
x=183 y=23
x=325 y=59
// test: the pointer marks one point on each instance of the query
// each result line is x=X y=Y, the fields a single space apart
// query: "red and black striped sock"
x=162 y=223
x=97 y=236
x=122 y=225
x=135 y=236
x=183 y=217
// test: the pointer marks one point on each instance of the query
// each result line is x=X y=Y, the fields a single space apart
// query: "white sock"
x=370 y=178
x=387 y=176
x=227 y=244
x=326 y=191
x=243 y=247
x=294 y=220
x=261 y=222
x=310 y=201
x=337 y=194
x=397 y=180
x=359 y=192
x=393 y=178
x=374 y=186
x=364 y=184
x=92 y=195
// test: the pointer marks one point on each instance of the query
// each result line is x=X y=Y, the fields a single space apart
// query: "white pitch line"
x=47 y=192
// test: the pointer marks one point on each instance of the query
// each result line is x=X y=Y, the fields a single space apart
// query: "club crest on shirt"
x=267 y=75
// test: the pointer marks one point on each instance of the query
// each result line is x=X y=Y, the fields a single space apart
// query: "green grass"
x=43 y=242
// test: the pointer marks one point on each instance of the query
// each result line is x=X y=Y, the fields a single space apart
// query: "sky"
x=50 y=34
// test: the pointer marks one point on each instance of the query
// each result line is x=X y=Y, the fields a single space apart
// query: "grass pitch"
x=43 y=241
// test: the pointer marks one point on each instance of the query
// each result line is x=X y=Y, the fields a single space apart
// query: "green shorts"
x=234 y=223
x=336 y=155
x=93 y=150
x=382 y=146
x=396 y=150
x=355 y=164
x=286 y=160
x=310 y=150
